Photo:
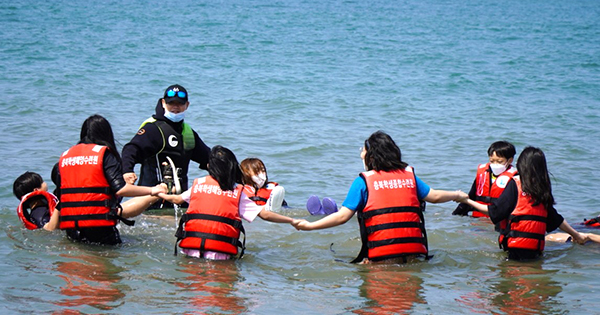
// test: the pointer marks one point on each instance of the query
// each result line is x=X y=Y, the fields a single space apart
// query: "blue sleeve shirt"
x=357 y=195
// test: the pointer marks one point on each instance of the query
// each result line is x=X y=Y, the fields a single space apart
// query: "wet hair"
x=251 y=166
x=502 y=149
x=97 y=130
x=27 y=183
x=223 y=166
x=535 y=178
x=382 y=153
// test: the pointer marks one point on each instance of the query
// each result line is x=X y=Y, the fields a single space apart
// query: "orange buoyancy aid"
x=261 y=196
x=489 y=189
x=392 y=222
x=527 y=224
x=86 y=200
x=212 y=222
x=24 y=206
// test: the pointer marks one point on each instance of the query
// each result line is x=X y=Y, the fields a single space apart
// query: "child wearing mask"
x=491 y=178
x=258 y=187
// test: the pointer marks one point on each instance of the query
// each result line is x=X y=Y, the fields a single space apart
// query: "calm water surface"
x=301 y=84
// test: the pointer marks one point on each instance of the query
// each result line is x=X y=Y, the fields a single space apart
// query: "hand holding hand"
x=158 y=189
x=461 y=196
x=581 y=238
x=300 y=224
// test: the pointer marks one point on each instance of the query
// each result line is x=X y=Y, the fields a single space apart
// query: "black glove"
x=462 y=209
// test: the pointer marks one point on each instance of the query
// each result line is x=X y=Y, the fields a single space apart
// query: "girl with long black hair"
x=90 y=185
x=528 y=205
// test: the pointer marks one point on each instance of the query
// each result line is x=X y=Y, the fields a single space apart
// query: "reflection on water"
x=524 y=288
x=390 y=289
x=214 y=286
x=89 y=280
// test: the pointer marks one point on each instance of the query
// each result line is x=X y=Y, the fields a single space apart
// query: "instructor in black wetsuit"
x=165 y=135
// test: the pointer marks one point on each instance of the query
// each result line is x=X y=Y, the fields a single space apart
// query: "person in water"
x=212 y=224
x=90 y=184
x=37 y=207
x=389 y=201
x=258 y=187
x=491 y=179
x=528 y=205
x=163 y=138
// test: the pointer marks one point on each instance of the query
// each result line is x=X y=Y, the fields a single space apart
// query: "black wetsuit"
x=150 y=141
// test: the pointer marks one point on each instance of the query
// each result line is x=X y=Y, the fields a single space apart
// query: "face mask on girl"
x=259 y=179
x=174 y=117
x=498 y=169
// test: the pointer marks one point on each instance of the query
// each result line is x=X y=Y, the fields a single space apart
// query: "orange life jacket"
x=212 y=222
x=86 y=200
x=527 y=224
x=24 y=205
x=392 y=222
x=261 y=196
x=488 y=189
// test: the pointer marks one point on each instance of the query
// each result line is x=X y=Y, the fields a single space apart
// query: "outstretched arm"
x=172 y=198
x=476 y=205
x=579 y=238
x=441 y=196
x=274 y=217
x=334 y=219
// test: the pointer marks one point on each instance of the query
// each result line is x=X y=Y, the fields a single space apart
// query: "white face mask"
x=498 y=169
x=259 y=179
x=174 y=117
x=365 y=165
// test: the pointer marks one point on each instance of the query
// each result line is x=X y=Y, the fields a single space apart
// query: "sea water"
x=301 y=84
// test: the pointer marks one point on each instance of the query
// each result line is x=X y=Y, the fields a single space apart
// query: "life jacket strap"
x=527 y=218
x=394 y=225
x=237 y=224
x=536 y=236
x=399 y=240
x=258 y=198
x=85 y=190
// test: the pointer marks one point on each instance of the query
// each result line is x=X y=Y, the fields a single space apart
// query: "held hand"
x=581 y=238
x=461 y=196
x=158 y=189
x=130 y=178
x=301 y=224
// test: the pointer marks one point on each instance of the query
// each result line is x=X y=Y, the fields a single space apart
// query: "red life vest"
x=488 y=189
x=86 y=200
x=261 y=196
x=392 y=222
x=212 y=222
x=24 y=206
x=527 y=224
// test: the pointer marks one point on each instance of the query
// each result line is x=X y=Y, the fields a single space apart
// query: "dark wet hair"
x=223 y=166
x=535 y=178
x=502 y=149
x=382 y=153
x=97 y=130
x=26 y=183
x=253 y=165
